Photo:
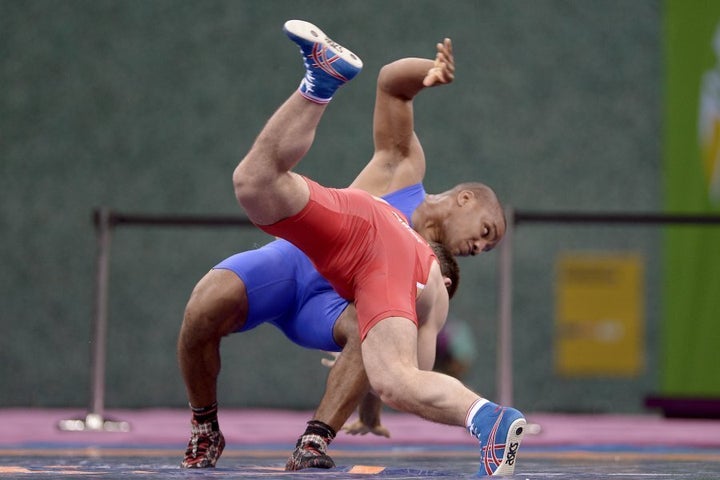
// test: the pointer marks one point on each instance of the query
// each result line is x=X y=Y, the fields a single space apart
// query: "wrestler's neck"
x=427 y=218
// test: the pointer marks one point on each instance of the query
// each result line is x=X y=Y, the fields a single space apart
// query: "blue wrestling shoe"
x=500 y=431
x=328 y=65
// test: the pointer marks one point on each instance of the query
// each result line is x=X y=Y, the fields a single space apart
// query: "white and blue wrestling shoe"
x=500 y=431
x=328 y=65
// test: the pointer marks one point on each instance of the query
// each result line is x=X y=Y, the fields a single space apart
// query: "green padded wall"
x=146 y=106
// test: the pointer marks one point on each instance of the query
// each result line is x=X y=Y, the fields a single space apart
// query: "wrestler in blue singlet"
x=284 y=289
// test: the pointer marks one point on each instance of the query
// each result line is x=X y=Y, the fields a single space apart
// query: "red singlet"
x=364 y=248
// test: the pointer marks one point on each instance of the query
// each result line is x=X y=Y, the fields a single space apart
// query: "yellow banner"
x=599 y=315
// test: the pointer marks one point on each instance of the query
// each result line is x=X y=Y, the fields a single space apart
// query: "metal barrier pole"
x=95 y=419
x=504 y=366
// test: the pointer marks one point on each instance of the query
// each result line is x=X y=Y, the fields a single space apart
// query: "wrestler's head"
x=448 y=266
x=473 y=220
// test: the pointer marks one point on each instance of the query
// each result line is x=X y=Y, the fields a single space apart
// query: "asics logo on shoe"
x=512 y=453
x=338 y=47
x=333 y=44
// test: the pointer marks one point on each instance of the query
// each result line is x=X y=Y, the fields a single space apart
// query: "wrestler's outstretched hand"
x=443 y=71
x=369 y=413
x=359 y=427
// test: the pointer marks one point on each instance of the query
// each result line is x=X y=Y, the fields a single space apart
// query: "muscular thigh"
x=389 y=351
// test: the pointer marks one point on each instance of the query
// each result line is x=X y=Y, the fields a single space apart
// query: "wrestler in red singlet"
x=364 y=248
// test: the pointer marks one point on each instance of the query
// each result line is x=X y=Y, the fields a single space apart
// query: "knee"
x=243 y=182
x=197 y=319
x=252 y=176
x=215 y=309
x=389 y=390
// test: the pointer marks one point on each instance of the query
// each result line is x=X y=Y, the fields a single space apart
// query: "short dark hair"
x=448 y=266
x=486 y=195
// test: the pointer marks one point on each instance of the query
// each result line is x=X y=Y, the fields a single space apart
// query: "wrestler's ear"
x=448 y=282
x=464 y=196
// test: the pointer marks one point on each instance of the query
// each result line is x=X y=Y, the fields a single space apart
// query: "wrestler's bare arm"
x=398 y=160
